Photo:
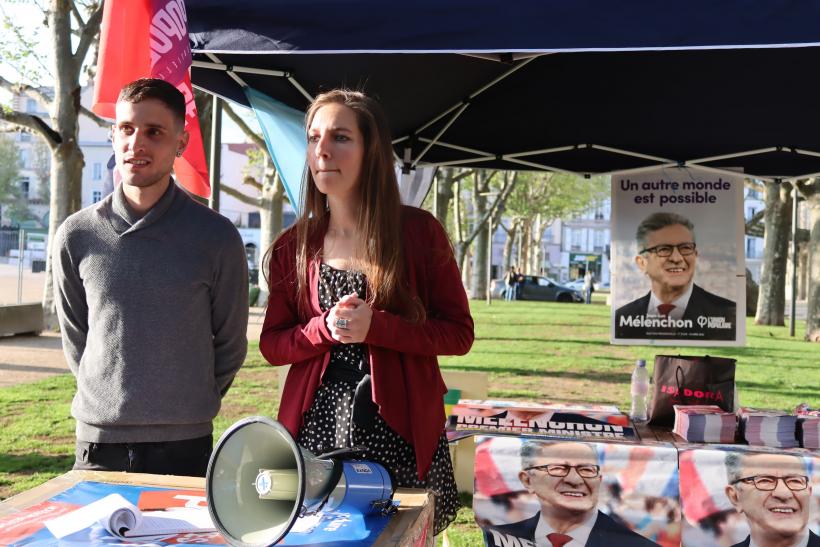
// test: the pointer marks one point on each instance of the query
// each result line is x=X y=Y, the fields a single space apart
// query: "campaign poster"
x=678 y=263
x=734 y=496
x=549 y=420
x=33 y=526
x=576 y=493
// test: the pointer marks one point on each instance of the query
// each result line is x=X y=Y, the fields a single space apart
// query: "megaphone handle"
x=344 y=453
x=385 y=507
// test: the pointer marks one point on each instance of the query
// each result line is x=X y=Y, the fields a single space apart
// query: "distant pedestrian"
x=509 y=283
x=519 y=285
x=589 y=286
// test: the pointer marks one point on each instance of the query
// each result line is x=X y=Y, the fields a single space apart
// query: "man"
x=565 y=478
x=675 y=307
x=510 y=284
x=589 y=287
x=152 y=296
x=773 y=491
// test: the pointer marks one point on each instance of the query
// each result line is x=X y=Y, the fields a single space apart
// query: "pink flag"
x=149 y=38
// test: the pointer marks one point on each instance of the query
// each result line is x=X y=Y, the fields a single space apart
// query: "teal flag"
x=284 y=130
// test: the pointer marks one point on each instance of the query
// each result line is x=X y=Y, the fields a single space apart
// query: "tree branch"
x=500 y=198
x=809 y=187
x=244 y=198
x=27 y=90
x=250 y=181
x=76 y=13
x=102 y=122
x=34 y=123
x=256 y=139
x=462 y=175
x=754 y=222
x=90 y=32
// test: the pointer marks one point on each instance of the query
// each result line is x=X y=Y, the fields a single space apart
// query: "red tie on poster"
x=664 y=309
x=558 y=540
x=149 y=38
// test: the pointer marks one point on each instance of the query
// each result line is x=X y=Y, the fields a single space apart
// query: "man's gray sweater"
x=154 y=314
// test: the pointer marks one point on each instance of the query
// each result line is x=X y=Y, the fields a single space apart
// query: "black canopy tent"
x=584 y=87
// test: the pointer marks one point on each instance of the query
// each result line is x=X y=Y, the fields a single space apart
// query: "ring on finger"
x=342 y=323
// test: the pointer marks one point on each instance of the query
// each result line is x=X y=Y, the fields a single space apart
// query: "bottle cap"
x=641 y=363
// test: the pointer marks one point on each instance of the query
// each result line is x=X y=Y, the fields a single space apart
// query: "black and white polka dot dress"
x=329 y=423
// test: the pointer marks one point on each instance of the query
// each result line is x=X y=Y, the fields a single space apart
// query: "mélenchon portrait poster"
x=678 y=264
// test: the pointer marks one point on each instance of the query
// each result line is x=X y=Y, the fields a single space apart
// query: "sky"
x=26 y=14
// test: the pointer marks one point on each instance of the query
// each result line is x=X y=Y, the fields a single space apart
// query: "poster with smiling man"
x=678 y=267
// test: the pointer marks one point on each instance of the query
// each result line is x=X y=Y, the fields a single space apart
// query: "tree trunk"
x=802 y=270
x=536 y=258
x=444 y=189
x=771 y=302
x=478 y=286
x=66 y=157
x=507 y=257
x=812 y=194
x=524 y=251
x=270 y=218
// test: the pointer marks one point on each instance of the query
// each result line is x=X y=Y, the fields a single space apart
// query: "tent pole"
x=440 y=133
x=794 y=260
x=216 y=152
x=489 y=258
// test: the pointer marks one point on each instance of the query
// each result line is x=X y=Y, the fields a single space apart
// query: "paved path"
x=32 y=358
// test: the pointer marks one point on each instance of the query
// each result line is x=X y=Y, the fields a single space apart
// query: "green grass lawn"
x=531 y=350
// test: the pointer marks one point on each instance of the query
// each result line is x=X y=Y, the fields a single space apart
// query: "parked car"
x=497 y=288
x=578 y=285
x=536 y=287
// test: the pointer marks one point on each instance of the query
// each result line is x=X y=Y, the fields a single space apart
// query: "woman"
x=364 y=294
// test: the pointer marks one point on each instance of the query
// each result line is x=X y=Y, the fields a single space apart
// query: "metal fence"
x=22 y=266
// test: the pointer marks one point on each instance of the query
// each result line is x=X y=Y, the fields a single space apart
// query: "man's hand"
x=349 y=320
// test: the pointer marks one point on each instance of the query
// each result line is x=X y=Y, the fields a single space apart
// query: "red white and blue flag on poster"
x=149 y=38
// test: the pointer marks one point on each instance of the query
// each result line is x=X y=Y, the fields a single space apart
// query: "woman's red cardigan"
x=407 y=384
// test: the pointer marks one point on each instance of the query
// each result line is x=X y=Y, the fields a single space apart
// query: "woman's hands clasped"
x=349 y=320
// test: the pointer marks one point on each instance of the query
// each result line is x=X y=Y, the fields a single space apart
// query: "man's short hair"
x=532 y=449
x=656 y=221
x=160 y=90
x=735 y=460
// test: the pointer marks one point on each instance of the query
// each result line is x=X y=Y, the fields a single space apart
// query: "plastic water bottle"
x=639 y=390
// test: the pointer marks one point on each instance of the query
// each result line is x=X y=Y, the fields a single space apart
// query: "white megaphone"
x=260 y=481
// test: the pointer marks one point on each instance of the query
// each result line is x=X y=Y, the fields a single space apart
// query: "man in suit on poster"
x=773 y=492
x=565 y=478
x=675 y=307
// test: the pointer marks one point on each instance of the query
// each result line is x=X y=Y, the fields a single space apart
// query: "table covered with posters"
x=22 y=517
x=594 y=480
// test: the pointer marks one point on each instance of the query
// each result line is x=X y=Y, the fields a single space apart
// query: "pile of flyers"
x=768 y=428
x=808 y=427
x=705 y=424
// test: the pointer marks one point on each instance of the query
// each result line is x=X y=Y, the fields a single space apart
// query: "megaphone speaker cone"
x=243 y=517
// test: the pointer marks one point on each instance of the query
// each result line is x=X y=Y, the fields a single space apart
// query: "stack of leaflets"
x=705 y=424
x=808 y=427
x=768 y=427
x=122 y=519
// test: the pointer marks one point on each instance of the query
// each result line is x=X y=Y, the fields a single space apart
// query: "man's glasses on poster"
x=561 y=470
x=664 y=251
x=767 y=483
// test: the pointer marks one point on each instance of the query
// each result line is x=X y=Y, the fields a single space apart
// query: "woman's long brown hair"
x=379 y=219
